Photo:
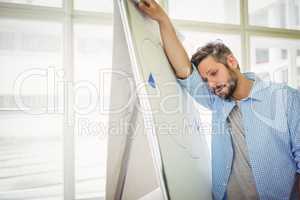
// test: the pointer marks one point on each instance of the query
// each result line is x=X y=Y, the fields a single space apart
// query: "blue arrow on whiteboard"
x=151 y=81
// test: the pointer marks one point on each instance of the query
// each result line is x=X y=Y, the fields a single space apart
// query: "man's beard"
x=230 y=86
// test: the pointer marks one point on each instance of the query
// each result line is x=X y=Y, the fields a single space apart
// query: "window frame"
x=68 y=17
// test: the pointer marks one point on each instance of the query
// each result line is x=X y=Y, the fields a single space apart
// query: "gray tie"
x=241 y=185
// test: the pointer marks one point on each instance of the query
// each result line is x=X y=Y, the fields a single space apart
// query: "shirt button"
x=224 y=184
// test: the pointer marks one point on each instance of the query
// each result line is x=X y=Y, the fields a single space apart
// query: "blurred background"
x=50 y=150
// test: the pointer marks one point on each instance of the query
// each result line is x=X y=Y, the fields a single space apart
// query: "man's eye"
x=213 y=73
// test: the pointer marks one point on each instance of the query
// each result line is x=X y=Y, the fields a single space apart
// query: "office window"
x=31 y=132
x=35 y=61
x=219 y=11
x=282 y=61
x=52 y=3
x=92 y=62
x=30 y=52
x=261 y=55
x=31 y=156
x=275 y=13
x=284 y=53
x=94 y=5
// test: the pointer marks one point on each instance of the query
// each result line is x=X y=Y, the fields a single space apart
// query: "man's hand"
x=153 y=10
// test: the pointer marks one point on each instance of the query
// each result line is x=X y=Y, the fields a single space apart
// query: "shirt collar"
x=256 y=93
x=258 y=86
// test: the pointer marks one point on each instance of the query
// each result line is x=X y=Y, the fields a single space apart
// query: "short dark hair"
x=217 y=50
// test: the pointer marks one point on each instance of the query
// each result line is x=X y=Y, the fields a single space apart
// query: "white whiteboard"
x=179 y=152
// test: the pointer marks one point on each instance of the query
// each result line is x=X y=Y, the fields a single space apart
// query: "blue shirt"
x=271 y=119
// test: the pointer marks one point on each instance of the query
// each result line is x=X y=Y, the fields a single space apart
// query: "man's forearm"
x=174 y=49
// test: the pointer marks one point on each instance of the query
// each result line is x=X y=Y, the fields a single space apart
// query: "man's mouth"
x=220 y=90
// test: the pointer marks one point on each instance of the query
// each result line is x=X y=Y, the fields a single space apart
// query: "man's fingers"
x=144 y=4
x=143 y=7
x=147 y=2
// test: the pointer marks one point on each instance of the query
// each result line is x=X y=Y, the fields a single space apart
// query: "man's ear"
x=232 y=61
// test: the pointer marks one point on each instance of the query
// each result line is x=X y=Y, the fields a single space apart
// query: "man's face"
x=221 y=79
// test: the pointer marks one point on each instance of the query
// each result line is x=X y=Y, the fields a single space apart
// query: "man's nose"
x=212 y=84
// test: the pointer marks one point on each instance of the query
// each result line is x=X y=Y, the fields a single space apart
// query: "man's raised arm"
x=172 y=46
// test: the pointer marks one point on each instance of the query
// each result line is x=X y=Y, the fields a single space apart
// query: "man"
x=255 y=124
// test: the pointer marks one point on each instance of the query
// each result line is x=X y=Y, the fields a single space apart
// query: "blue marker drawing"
x=151 y=81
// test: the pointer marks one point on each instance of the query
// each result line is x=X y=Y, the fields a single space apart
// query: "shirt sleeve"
x=294 y=125
x=197 y=88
